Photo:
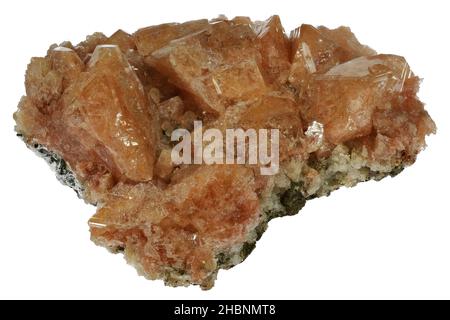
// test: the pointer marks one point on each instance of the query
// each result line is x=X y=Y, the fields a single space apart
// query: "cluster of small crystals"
x=108 y=105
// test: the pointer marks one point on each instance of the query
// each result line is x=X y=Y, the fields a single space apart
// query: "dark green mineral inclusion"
x=247 y=248
x=396 y=171
x=293 y=200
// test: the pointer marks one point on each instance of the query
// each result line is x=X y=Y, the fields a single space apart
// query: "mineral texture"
x=102 y=113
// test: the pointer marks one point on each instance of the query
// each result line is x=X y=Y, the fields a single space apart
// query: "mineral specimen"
x=102 y=113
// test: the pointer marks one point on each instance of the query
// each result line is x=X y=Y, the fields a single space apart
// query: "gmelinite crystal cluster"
x=189 y=138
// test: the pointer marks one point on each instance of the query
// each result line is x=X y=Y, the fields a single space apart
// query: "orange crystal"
x=102 y=112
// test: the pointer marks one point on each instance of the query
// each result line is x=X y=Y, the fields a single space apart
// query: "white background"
x=379 y=240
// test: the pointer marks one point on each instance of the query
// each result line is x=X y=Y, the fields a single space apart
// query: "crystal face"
x=102 y=113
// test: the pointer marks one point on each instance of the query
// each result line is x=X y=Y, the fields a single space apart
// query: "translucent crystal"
x=102 y=112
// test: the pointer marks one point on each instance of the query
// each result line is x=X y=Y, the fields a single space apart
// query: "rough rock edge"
x=286 y=196
x=65 y=176
x=59 y=166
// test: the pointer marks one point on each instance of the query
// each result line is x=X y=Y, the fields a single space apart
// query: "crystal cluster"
x=104 y=110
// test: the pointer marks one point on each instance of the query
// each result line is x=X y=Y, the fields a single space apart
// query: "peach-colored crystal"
x=109 y=105
x=184 y=226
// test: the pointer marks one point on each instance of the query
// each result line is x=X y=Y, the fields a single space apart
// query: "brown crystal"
x=316 y=50
x=104 y=111
x=190 y=222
